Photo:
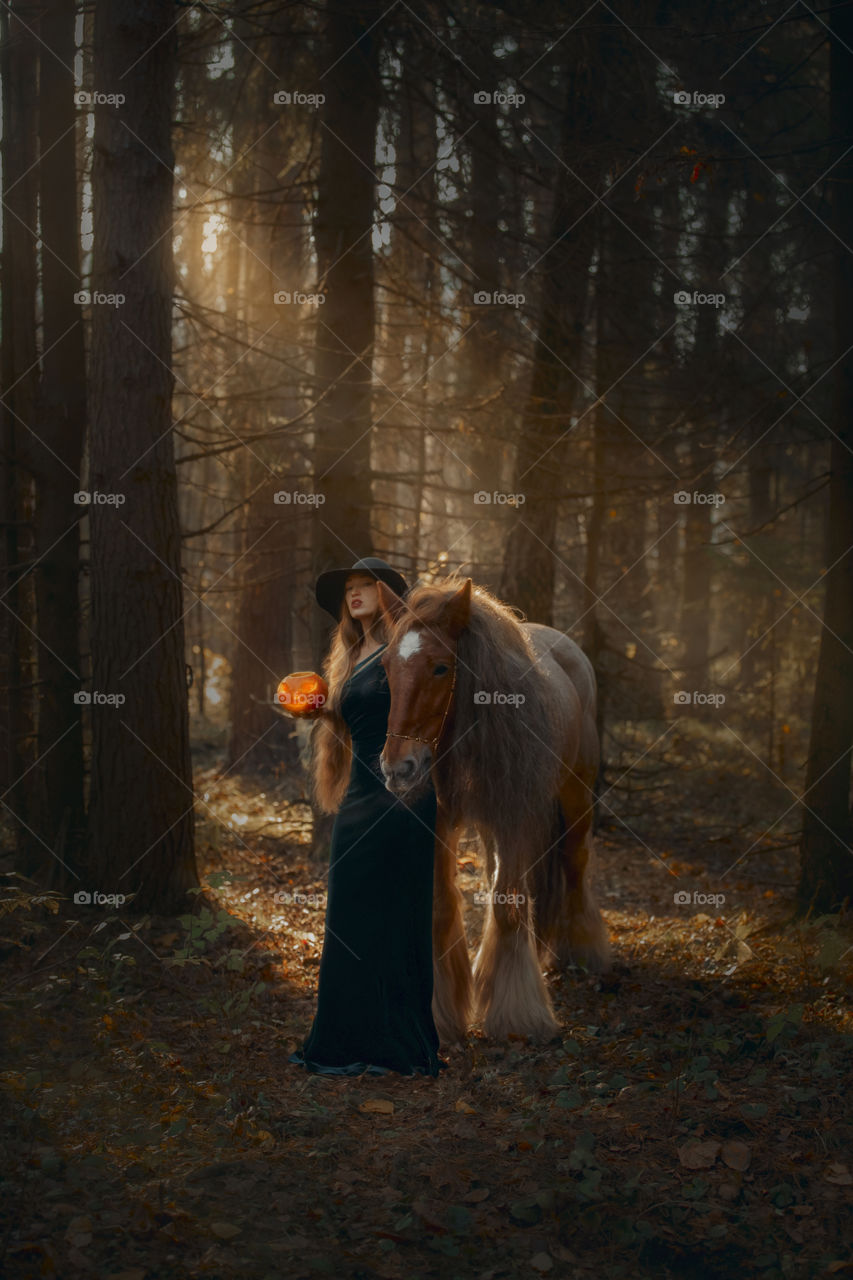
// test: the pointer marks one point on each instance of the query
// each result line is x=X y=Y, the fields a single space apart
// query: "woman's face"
x=361 y=596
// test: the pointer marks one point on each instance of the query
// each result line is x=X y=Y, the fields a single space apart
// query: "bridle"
x=432 y=743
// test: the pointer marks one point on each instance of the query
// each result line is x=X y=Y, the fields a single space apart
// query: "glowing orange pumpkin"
x=302 y=693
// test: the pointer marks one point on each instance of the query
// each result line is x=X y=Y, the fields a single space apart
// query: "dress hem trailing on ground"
x=360 y=1068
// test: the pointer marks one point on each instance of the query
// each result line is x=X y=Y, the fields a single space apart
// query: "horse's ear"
x=457 y=610
x=390 y=603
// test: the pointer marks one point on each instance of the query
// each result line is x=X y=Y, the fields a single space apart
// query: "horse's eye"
x=441 y=670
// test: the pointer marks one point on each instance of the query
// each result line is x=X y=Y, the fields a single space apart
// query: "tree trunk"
x=529 y=561
x=696 y=580
x=487 y=341
x=826 y=868
x=57 y=455
x=260 y=736
x=141 y=822
x=594 y=636
x=698 y=551
x=19 y=385
x=345 y=324
x=414 y=321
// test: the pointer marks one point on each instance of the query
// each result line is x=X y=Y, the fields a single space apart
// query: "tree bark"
x=697 y=577
x=141 y=822
x=260 y=736
x=345 y=324
x=529 y=561
x=826 y=866
x=594 y=636
x=19 y=387
x=57 y=455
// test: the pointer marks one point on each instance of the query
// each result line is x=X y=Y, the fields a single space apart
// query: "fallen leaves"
x=476 y=1195
x=703 y=1155
x=737 y=1155
x=225 y=1230
x=637 y=1064
x=378 y=1106
x=698 y=1155
x=542 y=1262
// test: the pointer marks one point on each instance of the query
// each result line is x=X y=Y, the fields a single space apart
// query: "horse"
x=499 y=715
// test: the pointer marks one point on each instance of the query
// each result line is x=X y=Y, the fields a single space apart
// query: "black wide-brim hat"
x=330 y=586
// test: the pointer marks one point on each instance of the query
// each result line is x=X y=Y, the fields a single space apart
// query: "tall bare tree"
x=826 y=870
x=19 y=377
x=57 y=451
x=345 y=251
x=141 y=810
x=529 y=563
x=263 y=649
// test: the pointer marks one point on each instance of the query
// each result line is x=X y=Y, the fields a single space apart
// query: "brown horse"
x=500 y=715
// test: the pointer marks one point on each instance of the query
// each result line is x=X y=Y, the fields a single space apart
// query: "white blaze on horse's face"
x=410 y=644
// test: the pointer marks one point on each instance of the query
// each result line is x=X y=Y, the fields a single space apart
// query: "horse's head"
x=420 y=662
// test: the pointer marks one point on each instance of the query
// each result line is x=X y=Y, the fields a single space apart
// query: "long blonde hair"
x=331 y=745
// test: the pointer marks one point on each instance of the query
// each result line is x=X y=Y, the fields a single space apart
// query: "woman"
x=374 y=1006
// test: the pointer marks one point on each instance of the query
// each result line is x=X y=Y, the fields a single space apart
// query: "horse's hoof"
x=450 y=1036
x=538 y=1032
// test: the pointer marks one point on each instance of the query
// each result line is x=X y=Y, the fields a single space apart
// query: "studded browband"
x=432 y=743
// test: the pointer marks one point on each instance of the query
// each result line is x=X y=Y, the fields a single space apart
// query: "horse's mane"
x=502 y=768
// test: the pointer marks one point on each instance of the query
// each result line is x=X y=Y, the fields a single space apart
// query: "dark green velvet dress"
x=374 y=1003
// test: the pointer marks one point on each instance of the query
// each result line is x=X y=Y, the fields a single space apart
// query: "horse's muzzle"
x=408 y=778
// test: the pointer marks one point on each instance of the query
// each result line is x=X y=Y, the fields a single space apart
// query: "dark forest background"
x=551 y=294
x=554 y=295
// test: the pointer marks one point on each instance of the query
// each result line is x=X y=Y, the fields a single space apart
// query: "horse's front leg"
x=511 y=991
x=452 y=980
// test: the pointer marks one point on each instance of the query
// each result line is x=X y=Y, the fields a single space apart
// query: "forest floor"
x=691 y=1120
